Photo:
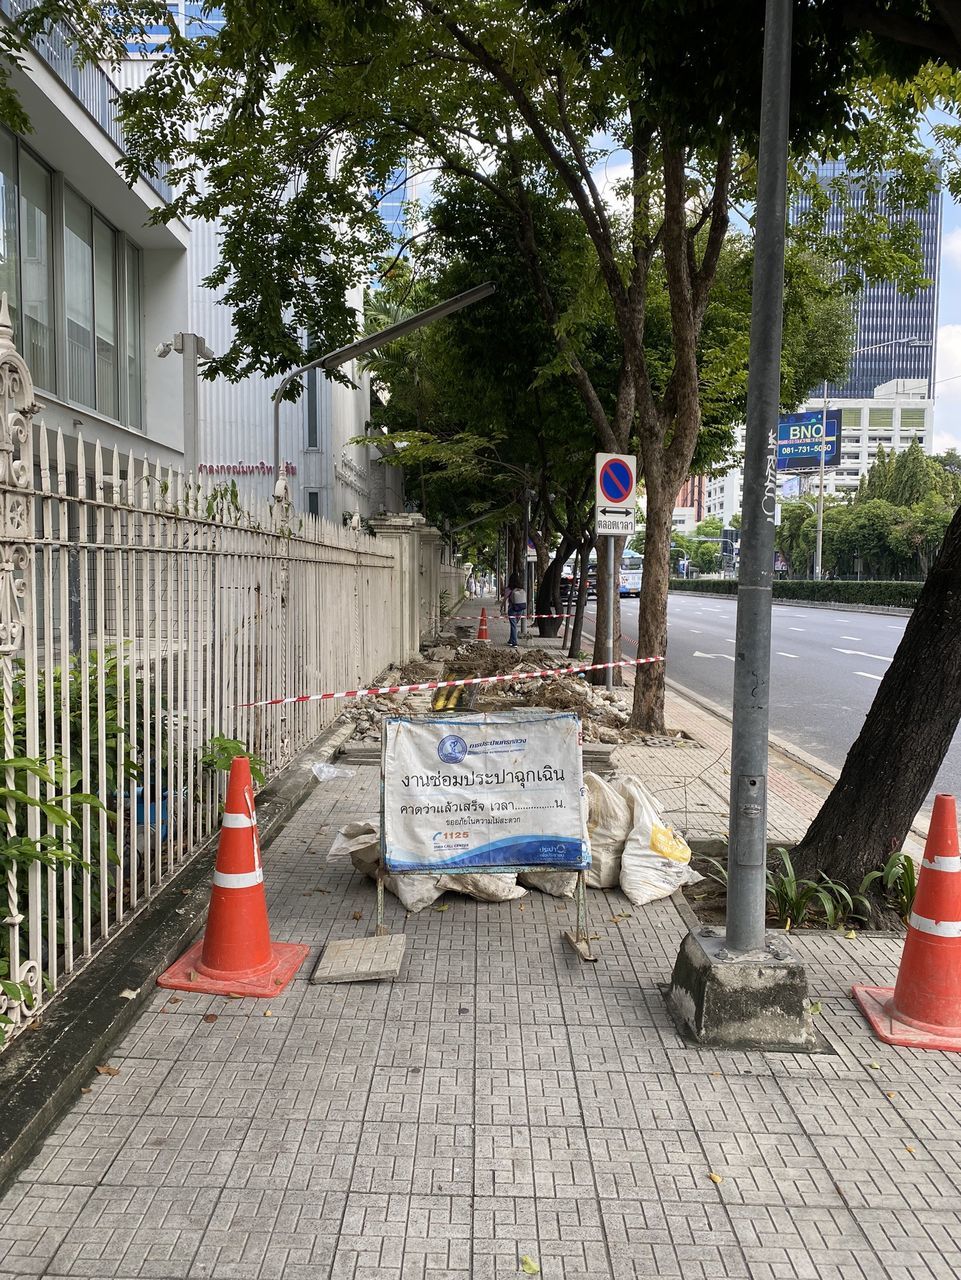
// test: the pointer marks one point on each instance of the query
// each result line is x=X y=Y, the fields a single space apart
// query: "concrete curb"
x=42 y=1071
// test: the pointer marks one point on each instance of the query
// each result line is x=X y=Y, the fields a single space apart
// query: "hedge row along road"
x=826 y=666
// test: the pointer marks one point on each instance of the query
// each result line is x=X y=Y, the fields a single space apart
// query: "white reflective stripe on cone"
x=940 y=928
x=238 y=879
x=950 y=863
x=238 y=820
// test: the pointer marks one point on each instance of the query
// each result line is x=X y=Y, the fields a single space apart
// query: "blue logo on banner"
x=452 y=749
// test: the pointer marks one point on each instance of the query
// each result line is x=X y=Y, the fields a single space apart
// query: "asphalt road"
x=826 y=667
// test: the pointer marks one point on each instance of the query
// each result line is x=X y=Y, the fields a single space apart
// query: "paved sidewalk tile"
x=499 y=1100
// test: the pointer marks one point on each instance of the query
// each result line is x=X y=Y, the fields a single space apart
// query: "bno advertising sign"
x=491 y=792
x=799 y=440
x=615 y=484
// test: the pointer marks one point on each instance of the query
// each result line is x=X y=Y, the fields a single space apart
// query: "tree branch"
x=527 y=242
x=567 y=129
x=933 y=37
x=565 y=171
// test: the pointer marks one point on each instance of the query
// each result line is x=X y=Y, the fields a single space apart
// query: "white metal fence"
x=137 y=615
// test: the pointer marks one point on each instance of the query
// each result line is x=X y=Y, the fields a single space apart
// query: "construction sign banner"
x=497 y=792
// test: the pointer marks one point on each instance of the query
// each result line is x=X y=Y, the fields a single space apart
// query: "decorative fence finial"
x=6 y=326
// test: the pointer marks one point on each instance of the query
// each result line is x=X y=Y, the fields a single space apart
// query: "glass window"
x=78 y=298
x=8 y=224
x=313 y=502
x=312 y=433
x=105 y=310
x=36 y=270
x=134 y=359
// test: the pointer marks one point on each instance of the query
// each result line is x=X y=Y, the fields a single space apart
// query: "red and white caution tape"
x=530 y=617
x=448 y=684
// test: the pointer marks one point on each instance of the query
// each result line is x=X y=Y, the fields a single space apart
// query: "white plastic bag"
x=655 y=860
x=608 y=824
x=360 y=841
x=328 y=772
x=559 y=884
x=484 y=887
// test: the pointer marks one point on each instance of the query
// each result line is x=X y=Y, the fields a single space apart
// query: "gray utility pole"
x=609 y=678
x=820 y=538
x=747 y=845
x=746 y=991
x=334 y=359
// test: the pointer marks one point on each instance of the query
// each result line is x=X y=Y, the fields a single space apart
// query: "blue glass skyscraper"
x=883 y=313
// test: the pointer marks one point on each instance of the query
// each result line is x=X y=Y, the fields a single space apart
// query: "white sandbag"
x=608 y=824
x=486 y=888
x=360 y=841
x=559 y=884
x=415 y=892
x=655 y=860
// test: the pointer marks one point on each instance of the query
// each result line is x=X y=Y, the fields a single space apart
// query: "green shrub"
x=714 y=586
x=899 y=595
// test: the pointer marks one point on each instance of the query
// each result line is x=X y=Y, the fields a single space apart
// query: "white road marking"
x=693 y=630
x=858 y=638
x=729 y=656
x=728 y=639
x=868 y=675
x=859 y=653
x=798 y=628
x=780 y=654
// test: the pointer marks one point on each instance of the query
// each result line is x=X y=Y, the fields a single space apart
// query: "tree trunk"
x=647 y=713
x=548 y=598
x=891 y=767
x=600 y=627
x=517 y=557
x=577 y=630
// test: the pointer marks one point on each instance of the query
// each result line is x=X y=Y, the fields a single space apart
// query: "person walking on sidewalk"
x=516 y=605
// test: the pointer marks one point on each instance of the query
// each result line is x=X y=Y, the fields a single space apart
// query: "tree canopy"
x=292 y=123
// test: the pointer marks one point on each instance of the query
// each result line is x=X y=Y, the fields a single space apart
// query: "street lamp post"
x=912 y=341
x=194 y=349
x=334 y=359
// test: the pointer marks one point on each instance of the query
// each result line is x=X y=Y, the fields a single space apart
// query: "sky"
x=947 y=404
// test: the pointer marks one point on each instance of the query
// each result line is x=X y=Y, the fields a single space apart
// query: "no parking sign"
x=616 y=482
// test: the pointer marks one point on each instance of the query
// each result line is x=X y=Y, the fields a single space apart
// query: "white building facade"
x=233 y=421
x=91 y=287
x=898 y=413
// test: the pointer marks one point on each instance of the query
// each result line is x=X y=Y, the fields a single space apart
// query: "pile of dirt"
x=473 y=659
x=414 y=672
x=604 y=715
x=367 y=714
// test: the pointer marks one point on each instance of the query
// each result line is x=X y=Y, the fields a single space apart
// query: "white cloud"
x=609 y=175
x=951 y=247
x=947 y=407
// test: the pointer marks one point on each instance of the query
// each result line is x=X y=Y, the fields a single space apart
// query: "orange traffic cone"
x=235 y=955
x=924 y=1010
x=482 y=633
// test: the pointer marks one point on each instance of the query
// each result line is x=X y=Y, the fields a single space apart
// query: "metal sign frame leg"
x=580 y=941
x=380 y=930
